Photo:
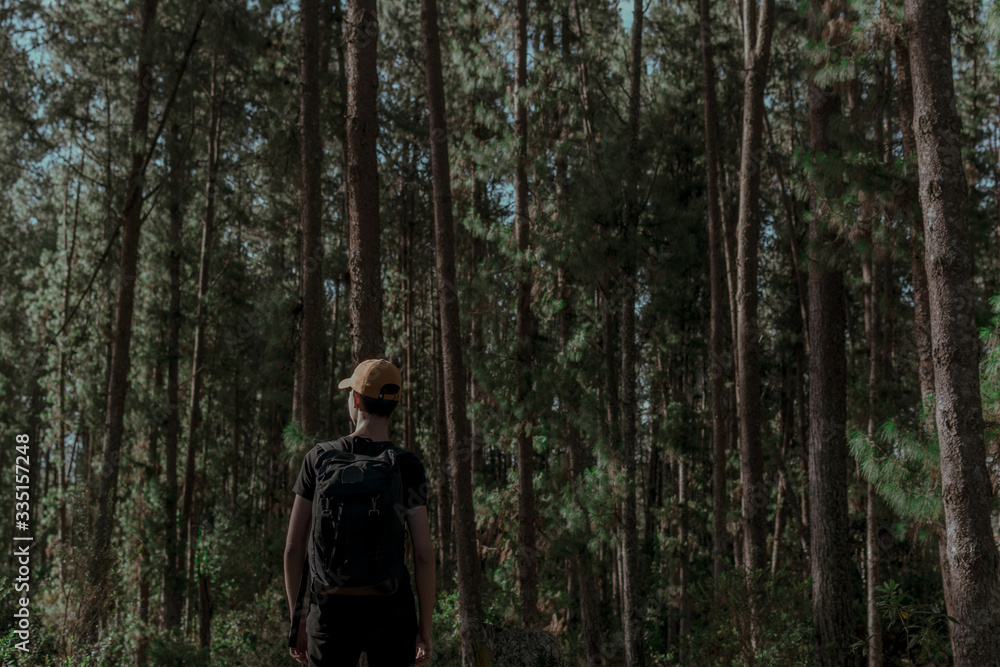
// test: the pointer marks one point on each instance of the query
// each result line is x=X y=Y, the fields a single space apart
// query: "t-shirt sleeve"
x=305 y=484
x=415 y=490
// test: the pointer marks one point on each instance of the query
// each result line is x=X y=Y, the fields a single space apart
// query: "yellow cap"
x=371 y=377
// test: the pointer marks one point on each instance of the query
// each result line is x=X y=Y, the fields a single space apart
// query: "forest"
x=696 y=305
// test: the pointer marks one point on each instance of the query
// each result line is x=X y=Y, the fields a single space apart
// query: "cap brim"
x=344 y=384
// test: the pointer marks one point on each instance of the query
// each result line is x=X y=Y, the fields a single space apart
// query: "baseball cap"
x=372 y=377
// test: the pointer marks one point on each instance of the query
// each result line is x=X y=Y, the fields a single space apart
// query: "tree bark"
x=873 y=278
x=718 y=368
x=631 y=596
x=409 y=417
x=830 y=558
x=785 y=420
x=583 y=577
x=234 y=471
x=333 y=379
x=876 y=277
x=802 y=431
x=99 y=563
x=921 y=301
x=62 y=473
x=684 y=571
x=973 y=562
x=143 y=638
x=526 y=515
x=188 y=526
x=910 y=197
x=467 y=554
x=590 y=631
x=204 y=612
x=480 y=250
x=311 y=155
x=364 y=256
x=833 y=620
x=757 y=52
x=444 y=497
x=172 y=588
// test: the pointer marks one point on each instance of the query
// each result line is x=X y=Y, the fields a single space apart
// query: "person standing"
x=350 y=553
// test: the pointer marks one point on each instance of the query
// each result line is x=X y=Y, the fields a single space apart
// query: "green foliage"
x=989 y=371
x=48 y=641
x=925 y=626
x=171 y=652
x=447 y=627
x=904 y=468
x=254 y=634
x=721 y=634
x=69 y=83
x=294 y=438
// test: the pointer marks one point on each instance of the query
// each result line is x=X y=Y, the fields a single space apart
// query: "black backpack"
x=357 y=541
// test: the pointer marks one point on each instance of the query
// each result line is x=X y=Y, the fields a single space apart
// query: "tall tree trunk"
x=172 y=588
x=171 y=611
x=910 y=197
x=479 y=253
x=873 y=278
x=612 y=362
x=62 y=474
x=311 y=155
x=444 y=497
x=833 y=621
x=188 y=525
x=973 y=562
x=876 y=276
x=802 y=435
x=785 y=419
x=409 y=416
x=333 y=378
x=921 y=300
x=143 y=534
x=234 y=472
x=143 y=639
x=590 y=631
x=584 y=582
x=470 y=604
x=756 y=53
x=364 y=255
x=95 y=605
x=527 y=555
x=632 y=615
x=717 y=328
x=684 y=571
x=204 y=612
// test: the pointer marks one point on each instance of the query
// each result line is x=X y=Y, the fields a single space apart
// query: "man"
x=335 y=628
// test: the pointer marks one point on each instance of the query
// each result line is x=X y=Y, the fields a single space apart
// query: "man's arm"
x=423 y=559
x=295 y=548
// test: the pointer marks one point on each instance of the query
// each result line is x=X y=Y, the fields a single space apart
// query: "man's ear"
x=357 y=399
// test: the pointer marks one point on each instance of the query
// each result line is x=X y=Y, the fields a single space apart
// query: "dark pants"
x=384 y=627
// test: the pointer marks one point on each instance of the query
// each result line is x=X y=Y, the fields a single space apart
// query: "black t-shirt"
x=324 y=617
x=411 y=470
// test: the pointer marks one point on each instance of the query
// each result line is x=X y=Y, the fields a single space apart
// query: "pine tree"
x=973 y=562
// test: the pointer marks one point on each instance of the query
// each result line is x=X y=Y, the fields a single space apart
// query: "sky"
x=626 y=9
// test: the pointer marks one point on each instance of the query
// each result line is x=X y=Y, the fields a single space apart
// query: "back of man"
x=360 y=597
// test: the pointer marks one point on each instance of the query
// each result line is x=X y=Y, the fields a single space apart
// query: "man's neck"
x=376 y=430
